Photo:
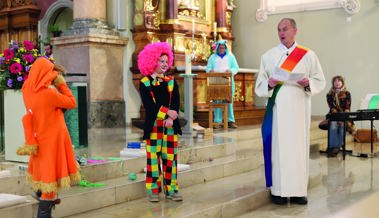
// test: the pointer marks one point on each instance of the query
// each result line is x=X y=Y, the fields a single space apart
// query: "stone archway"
x=51 y=15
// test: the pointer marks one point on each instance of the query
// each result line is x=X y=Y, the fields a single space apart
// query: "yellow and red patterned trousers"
x=161 y=147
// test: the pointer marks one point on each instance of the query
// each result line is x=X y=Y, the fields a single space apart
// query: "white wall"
x=350 y=49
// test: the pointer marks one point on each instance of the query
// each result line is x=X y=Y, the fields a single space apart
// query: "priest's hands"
x=172 y=114
x=303 y=82
x=272 y=82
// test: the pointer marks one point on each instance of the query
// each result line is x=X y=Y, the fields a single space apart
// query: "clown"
x=161 y=100
x=223 y=61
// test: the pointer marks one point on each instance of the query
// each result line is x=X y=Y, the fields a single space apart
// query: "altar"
x=245 y=112
x=192 y=27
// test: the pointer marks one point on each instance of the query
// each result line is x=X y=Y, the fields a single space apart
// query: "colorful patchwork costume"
x=158 y=97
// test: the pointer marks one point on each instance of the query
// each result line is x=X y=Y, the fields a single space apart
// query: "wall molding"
x=268 y=8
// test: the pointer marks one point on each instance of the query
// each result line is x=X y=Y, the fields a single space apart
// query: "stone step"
x=79 y=199
x=121 y=189
x=225 y=197
x=191 y=151
x=15 y=183
x=188 y=153
x=226 y=154
x=28 y=209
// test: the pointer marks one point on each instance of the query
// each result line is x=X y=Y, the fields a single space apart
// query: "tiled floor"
x=349 y=189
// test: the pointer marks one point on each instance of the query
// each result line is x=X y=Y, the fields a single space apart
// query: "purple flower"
x=10 y=83
x=16 y=62
x=28 y=58
x=28 y=45
x=8 y=54
x=15 y=68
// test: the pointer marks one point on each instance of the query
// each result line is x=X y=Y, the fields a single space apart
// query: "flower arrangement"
x=210 y=49
x=212 y=46
x=15 y=63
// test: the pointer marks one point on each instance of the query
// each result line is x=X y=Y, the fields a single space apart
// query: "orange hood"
x=40 y=76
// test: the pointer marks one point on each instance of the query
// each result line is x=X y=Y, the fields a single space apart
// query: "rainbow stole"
x=289 y=64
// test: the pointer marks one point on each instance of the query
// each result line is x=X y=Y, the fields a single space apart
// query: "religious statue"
x=191 y=4
x=230 y=4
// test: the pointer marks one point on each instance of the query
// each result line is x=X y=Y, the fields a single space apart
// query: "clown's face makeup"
x=162 y=65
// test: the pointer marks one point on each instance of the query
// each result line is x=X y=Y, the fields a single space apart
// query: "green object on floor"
x=85 y=183
x=132 y=176
x=114 y=158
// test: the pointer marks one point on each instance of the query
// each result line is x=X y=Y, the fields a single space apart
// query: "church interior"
x=221 y=171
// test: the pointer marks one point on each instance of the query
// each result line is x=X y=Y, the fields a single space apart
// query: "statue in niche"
x=191 y=4
x=151 y=5
x=230 y=4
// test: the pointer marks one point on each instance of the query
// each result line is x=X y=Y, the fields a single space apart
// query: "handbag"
x=324 y=125
x=364 y=135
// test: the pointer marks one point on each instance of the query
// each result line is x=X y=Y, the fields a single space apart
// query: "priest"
x=289 y=75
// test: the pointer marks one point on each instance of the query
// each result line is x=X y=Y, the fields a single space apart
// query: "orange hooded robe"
x=52 y=163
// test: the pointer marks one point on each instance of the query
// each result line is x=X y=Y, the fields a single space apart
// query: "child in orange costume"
x=52 y=162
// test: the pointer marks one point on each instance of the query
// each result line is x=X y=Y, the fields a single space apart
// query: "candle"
x=193 y=26
x=214 y=30
x=193 y=33
x=188 y=63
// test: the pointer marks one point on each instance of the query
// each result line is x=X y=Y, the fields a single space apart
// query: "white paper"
x=280 y=74
x=283 y=75
x=296 y=76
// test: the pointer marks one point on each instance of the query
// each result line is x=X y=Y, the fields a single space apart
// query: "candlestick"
x=188 y=63
x=193 y=26
x=214 y=31
x=193 y=33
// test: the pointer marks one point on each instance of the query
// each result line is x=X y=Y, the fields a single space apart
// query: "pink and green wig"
x=150 y=55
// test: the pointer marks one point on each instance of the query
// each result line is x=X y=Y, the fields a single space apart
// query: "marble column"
x=171 y=14
x=91 y=9
x=170 y=28
x=221 y=13
x=93 y=54
x=223 y=16
x=172 y=10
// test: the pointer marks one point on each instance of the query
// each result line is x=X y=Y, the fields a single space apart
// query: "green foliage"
x=54 y=28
